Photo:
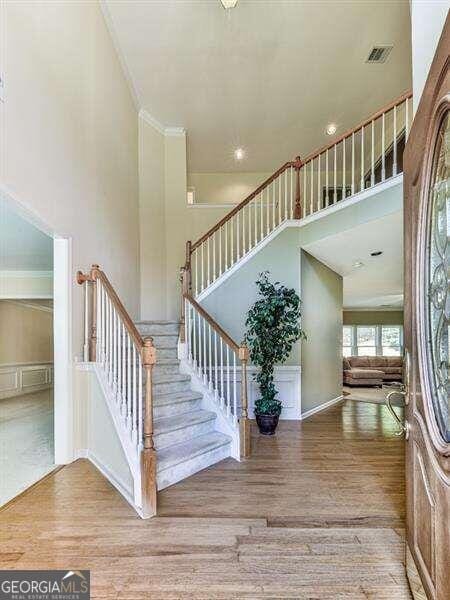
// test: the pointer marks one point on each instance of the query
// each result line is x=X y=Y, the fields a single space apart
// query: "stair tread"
x=165 y=399
x=179 y=453
x=187 y=419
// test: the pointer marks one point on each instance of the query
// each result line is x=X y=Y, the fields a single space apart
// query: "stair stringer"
x=209 y=402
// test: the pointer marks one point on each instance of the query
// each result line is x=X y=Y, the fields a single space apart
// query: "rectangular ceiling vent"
x=379 y=54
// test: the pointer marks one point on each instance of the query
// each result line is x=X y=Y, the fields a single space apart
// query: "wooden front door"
x=427 y=332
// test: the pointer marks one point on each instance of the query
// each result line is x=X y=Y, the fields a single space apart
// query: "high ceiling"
x=268 y=75
x=378 y=282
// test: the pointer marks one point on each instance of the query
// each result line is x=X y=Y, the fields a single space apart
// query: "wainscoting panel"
x=288 y=383
x=24 y=378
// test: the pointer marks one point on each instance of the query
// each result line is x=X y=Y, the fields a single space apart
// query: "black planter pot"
x=267 y=423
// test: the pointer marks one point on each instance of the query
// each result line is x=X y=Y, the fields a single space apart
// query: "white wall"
x=224 y=188
x=69 y=152
x=427 y=21
x=321 y=291
x=69 y=138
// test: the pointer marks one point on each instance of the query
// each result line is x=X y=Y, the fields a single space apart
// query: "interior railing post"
x=148 y=454
x=185 y=279
x=298 y=205
x=244 y=423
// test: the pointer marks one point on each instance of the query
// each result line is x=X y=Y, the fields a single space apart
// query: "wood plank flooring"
x=316 y=513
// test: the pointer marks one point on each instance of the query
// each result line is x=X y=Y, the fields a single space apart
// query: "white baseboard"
x=321 y=407
x=120 y=485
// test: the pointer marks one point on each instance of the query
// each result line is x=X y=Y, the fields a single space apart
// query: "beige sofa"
x=372 y=370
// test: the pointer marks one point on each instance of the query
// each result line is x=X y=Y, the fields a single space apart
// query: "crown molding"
x=159 y=127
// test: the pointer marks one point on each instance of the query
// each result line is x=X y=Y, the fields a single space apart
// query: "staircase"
x=184 y=433
x=177 y=391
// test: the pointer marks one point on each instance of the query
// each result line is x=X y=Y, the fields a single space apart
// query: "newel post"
x=90 y=311
x=298 y=205
x=148 y=454
x=244 y=423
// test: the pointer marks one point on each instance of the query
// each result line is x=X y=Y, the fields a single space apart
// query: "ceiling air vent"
x=379 y=54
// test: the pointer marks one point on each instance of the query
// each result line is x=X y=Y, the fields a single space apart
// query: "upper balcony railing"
x=368 y=154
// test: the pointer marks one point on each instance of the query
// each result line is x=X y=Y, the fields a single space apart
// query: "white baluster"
x=344 y=194
x=234 y=389
x=110 y=350
x=221 y=374
x=244 y=243
x=261 y=220
x=194 y=336
x=226 y=244
x=394 y=158
x=372 y=160
x=228 y=398
x=134 y=411
x=267 y=210
x=291 y=211
x=335 y=177
x=119 y=360
x=124 y=373
x=249 y=221
x=353 y=163
x=255 y=222
x=86 y=322
x=215 y=368
x=273 y=204
x=220 y=250
x=383 y=147
x=202 y=260
x=140 y=415
x=205 y=379
x=362 y=159
x=208 y=251
x=210 y=359
x=279 y=199
x=305 y=204
x=196 y=273
x=128 y=419
x=327 y=199
x=238 y=235
x=311 y=207
x=286 y=214
x=318 y=183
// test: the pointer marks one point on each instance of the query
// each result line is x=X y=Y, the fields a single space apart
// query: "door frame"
x=64 y=415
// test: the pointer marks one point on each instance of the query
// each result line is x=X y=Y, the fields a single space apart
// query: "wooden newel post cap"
x=243 y=353
x=81 y=277
x=298 y=162
x=148 y=352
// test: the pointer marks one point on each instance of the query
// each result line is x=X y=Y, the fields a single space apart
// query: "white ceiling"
x=22 y=246
x=379 y=282
x=267 y=75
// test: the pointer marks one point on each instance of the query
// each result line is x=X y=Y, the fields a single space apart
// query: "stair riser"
x=162 y=440
x=166 y=353
x=170 y=410
x=171 y=475
x=171 y=387
x=160 y=369
x=165 y=341
x=157 y=328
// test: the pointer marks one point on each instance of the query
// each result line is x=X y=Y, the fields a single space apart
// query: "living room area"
x=372 y=349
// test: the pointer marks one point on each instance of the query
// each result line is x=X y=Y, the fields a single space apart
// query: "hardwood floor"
x=316 y=513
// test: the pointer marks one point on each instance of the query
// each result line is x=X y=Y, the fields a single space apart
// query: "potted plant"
x=273 y=327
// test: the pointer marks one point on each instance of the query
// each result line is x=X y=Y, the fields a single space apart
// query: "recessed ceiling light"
x=376 y=253
x=331 y=129
x=239 y=153
x=229 y=3
x=358 y=264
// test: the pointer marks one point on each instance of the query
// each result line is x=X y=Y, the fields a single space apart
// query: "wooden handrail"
x=213 y=323
x=97 y=273
x=246 y=200
x=364 y=123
